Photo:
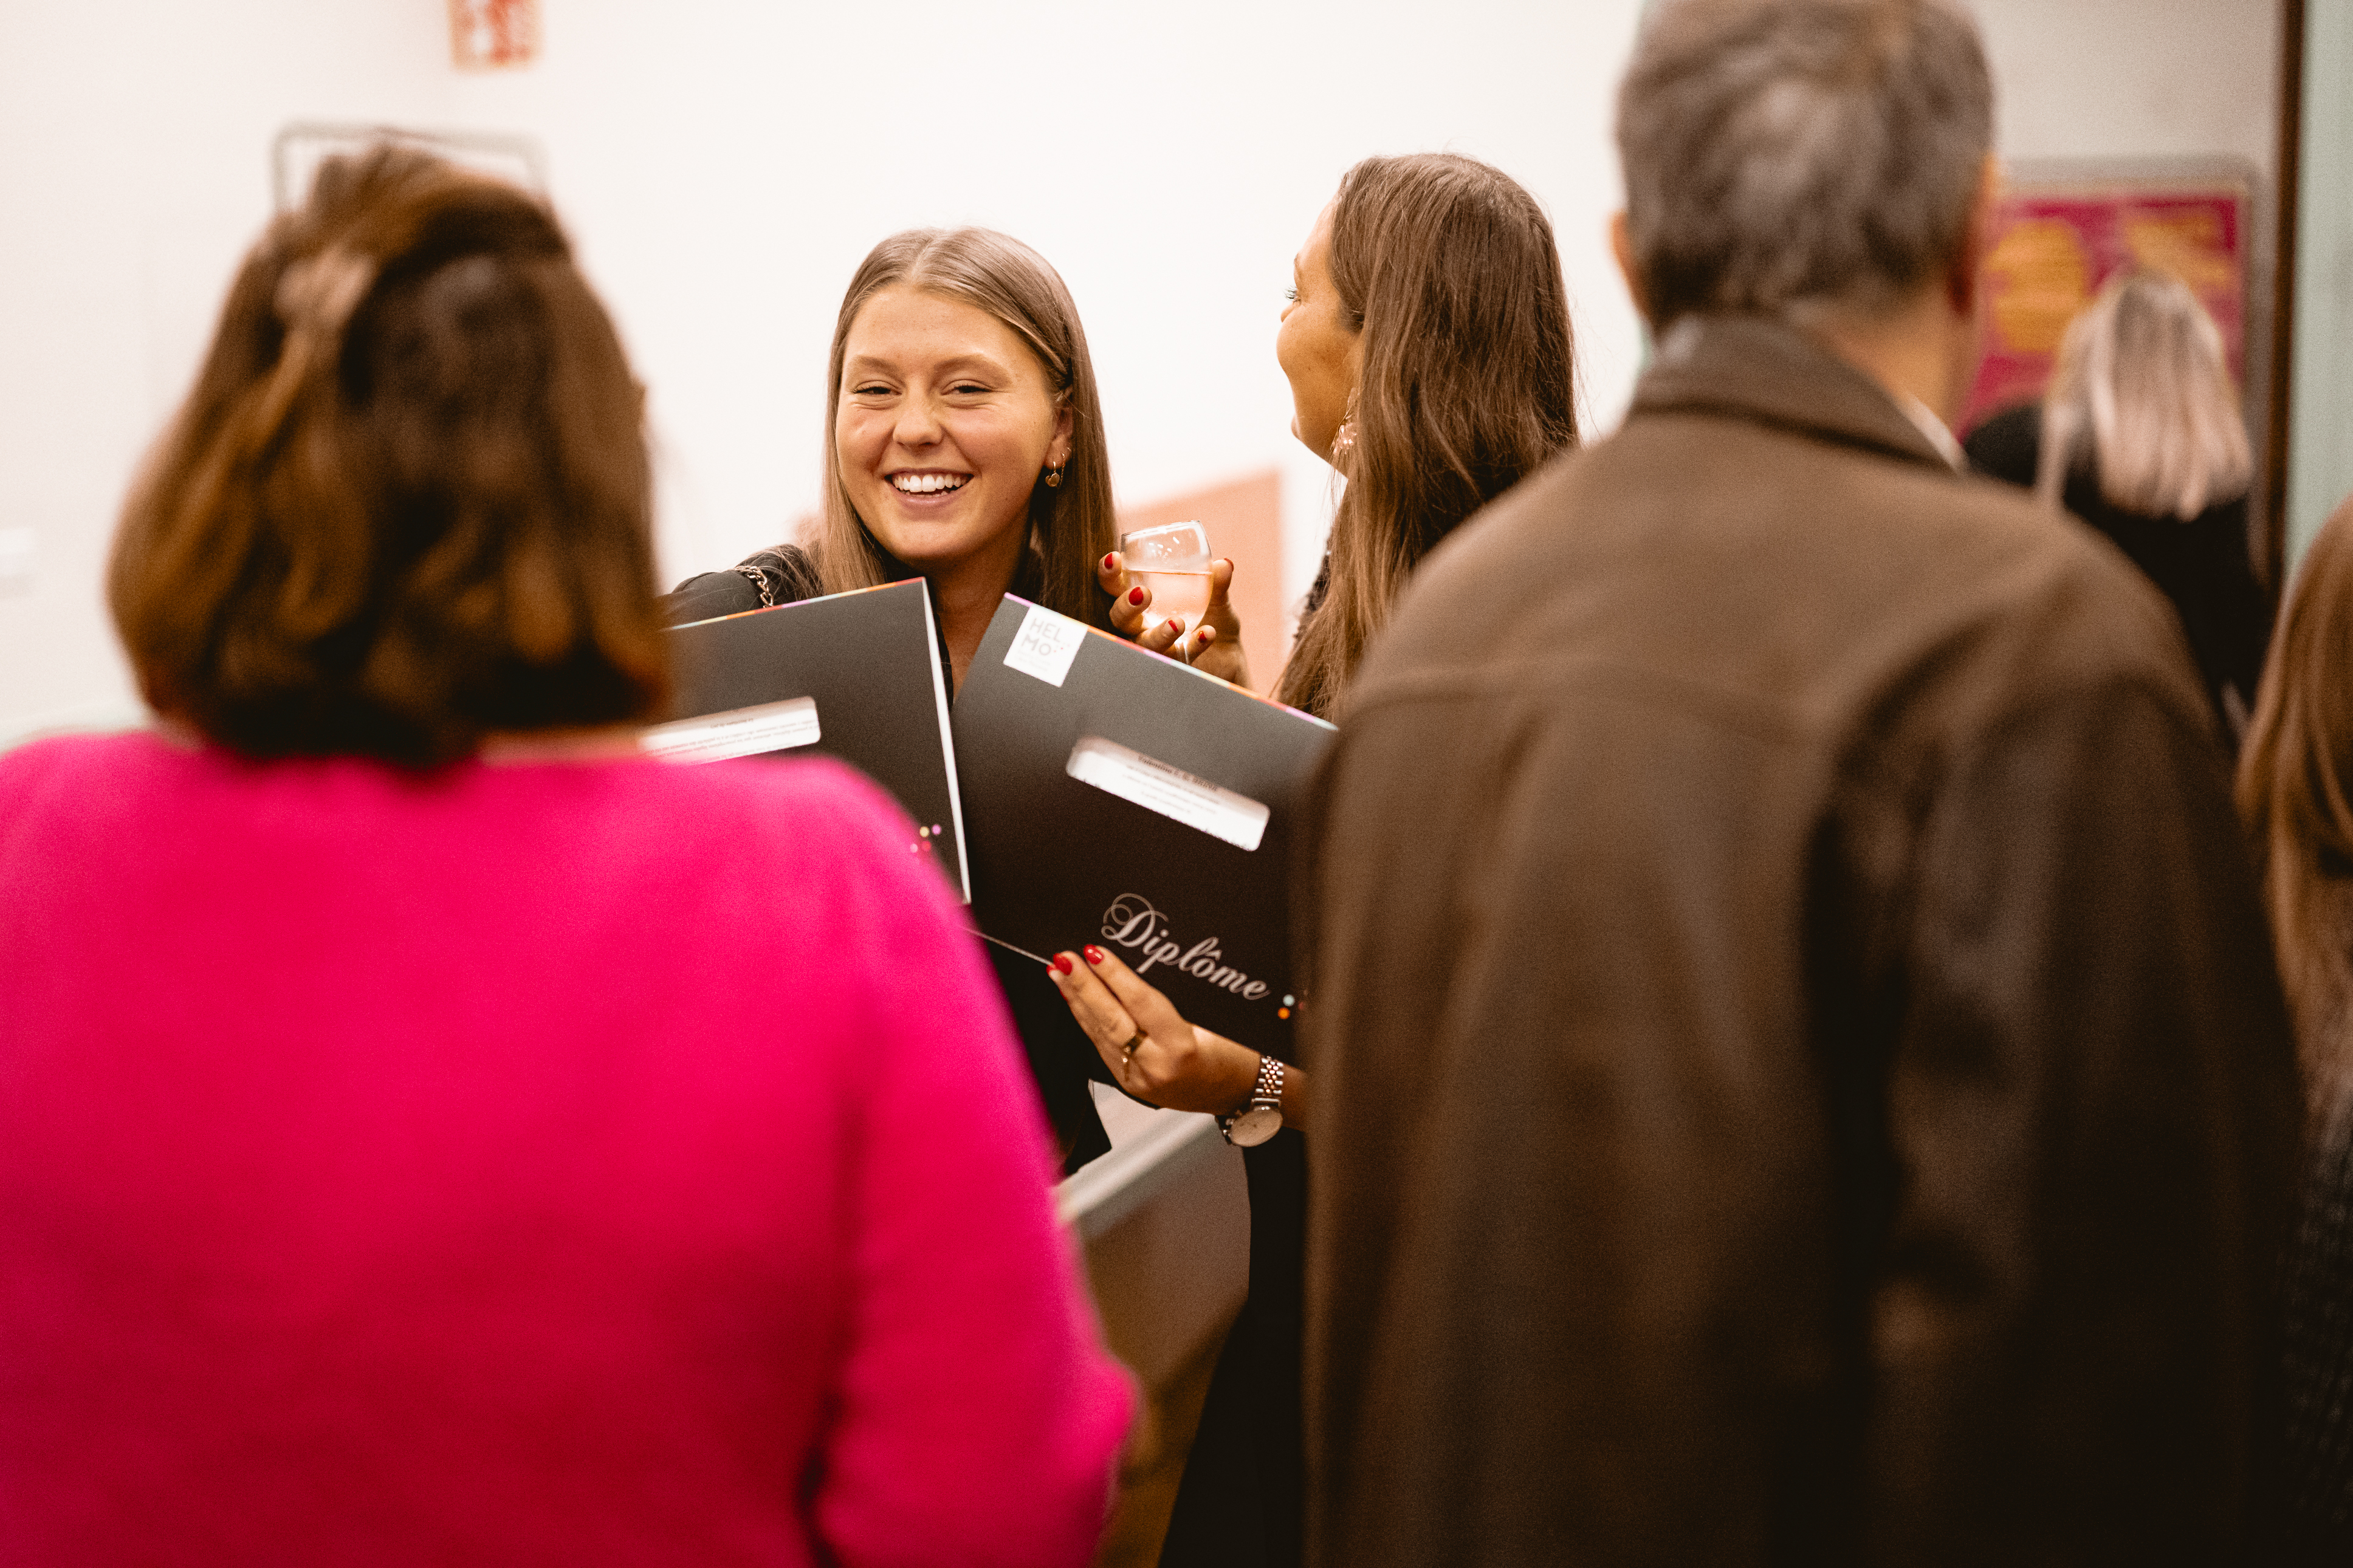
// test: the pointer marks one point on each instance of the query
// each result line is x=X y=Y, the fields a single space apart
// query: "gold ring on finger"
x=1127 y=1051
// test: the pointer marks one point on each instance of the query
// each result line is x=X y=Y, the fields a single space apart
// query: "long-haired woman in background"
x=2140 y=435
x=1428 y=350
x=2296 y=796
x=429 y=1131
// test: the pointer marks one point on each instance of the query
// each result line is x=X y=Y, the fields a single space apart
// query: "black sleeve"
x=2312 y=1511
x=709 y=597
x=2242 y=607
x=2006 y=446
x=783 y=575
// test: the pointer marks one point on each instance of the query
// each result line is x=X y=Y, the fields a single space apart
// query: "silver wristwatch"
x=1261 y=1119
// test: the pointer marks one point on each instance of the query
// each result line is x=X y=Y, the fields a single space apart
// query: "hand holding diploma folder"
x=1117 y=797
x=1080 y=790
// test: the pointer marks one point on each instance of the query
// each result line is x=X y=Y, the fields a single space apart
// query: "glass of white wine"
x=1173 y=561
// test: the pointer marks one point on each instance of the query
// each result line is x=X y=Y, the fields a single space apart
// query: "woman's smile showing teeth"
x=945 y=430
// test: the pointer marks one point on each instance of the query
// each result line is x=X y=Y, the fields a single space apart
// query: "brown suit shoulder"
x=1782 y=575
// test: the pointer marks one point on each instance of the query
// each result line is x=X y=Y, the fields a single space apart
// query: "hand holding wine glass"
x=1170 y=596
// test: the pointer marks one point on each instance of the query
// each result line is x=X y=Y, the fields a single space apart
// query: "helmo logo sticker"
x=1132 y=923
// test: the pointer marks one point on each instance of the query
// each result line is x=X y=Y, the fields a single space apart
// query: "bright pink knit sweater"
x=589 y=1162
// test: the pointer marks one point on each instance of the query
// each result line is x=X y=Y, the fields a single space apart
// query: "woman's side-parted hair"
x=1072 y=525
x=1448 y=267
x=2141 y=394
x=407 y=503
x=2295 y=797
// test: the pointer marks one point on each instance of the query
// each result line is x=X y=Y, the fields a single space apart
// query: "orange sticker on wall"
x=489 y=35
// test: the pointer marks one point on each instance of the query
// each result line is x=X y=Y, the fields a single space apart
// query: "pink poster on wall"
x=2052 y=247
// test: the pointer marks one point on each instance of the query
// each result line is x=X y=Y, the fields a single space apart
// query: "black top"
x=2312 y=1474
x=2205 y=566
x=1062 y=1058
x=784 y=576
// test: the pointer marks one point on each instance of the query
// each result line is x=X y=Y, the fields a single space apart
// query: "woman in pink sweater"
x=429 y=1134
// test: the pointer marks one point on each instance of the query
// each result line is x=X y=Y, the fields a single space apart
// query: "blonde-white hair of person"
x=2141 y=395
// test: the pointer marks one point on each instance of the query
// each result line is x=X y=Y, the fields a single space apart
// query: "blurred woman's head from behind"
x=2141 y=395
x=2295 y=797
x=1446 y=270
x=961 y=331
x=408 y=504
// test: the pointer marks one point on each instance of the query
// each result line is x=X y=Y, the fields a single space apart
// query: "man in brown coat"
x=1800 y=1076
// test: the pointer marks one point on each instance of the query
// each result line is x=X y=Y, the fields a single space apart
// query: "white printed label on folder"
x=739 y=732
x=1172 y=792
x=1044 y=645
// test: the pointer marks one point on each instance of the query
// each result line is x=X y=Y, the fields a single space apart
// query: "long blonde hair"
x=1448 y=267
x=2141 y=393
x=2295 y=797
x=1073 y=525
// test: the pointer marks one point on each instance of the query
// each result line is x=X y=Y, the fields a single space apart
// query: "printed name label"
x=739 y=732
x=1172 y=792
x=1045 y=644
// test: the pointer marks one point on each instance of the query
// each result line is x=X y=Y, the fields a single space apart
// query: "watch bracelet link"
x=1266 y=1091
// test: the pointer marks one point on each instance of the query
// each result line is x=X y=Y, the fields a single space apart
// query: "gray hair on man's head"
x=1782 y=155
x=2141 y=395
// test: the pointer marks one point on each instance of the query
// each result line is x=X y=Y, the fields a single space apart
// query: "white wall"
x=2320 y=433
x=724 y=164
x=2135 y=78
x=724 y=167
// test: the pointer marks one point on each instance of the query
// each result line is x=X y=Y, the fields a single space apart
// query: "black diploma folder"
x=854 y=676
x=1119 y=797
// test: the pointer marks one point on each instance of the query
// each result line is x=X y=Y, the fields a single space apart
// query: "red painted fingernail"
x=1176 y=626
x=1135 y=595
x=1094 y=955
x=1109 y=561
x=1061 y=964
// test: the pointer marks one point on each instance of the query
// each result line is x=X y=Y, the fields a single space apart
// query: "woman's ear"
x=1622 y=247
x=1058 y=450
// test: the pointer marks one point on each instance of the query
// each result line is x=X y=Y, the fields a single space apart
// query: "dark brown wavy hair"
x=407 y=503
x=1070 y=526
x=1449 y=268
x=2296 y=796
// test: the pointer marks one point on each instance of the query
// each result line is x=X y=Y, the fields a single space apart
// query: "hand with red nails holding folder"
x=1153 y=1053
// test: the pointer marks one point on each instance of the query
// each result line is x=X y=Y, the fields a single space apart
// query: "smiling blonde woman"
x=964 y=445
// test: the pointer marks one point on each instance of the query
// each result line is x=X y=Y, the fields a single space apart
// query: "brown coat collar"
x=1754 y=367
